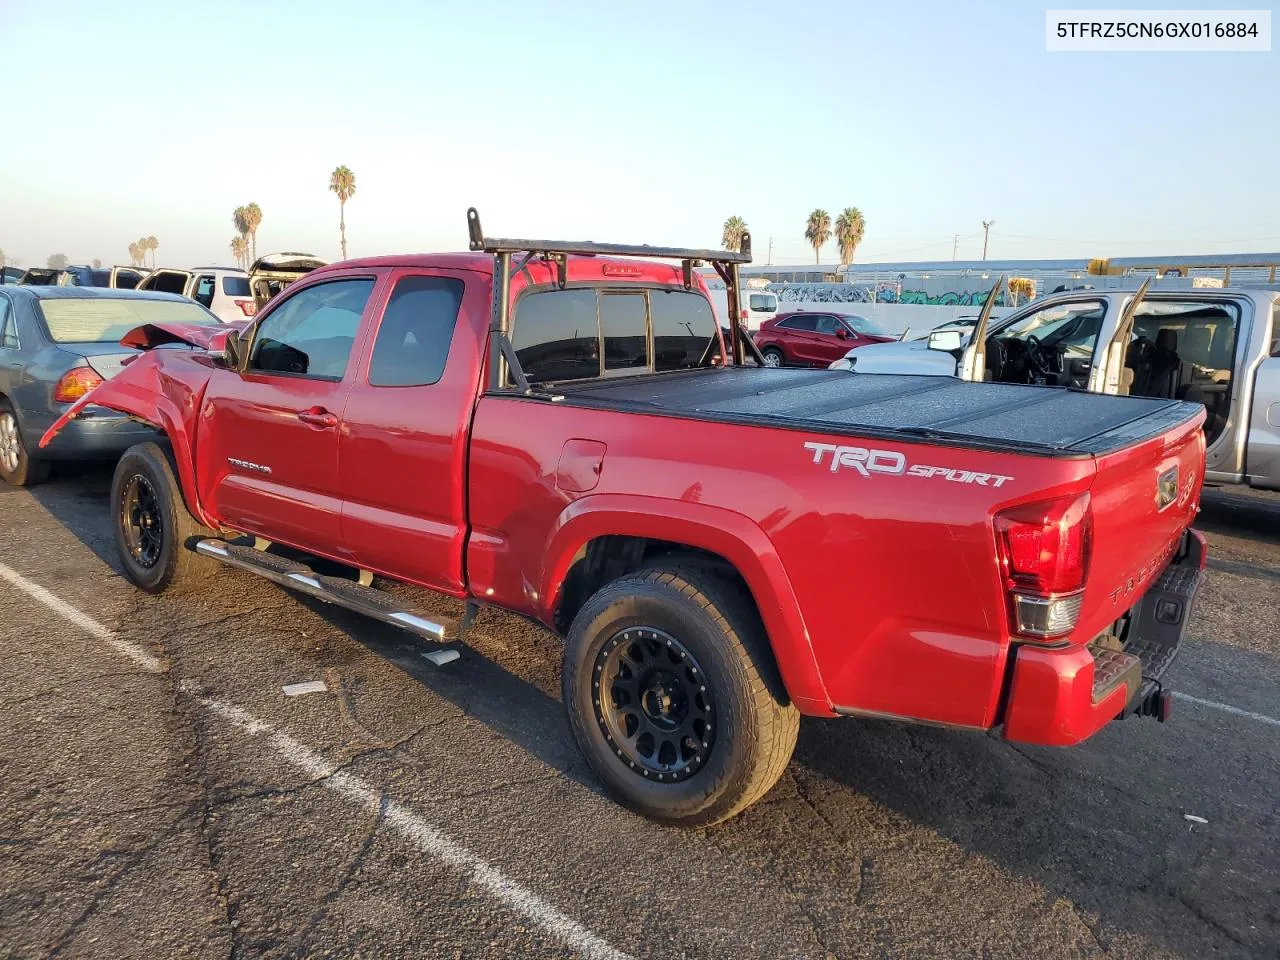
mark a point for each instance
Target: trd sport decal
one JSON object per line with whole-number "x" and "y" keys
{"x": 867, "y": 462}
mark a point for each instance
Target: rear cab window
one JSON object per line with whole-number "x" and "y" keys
{"x": 583, "y": 332}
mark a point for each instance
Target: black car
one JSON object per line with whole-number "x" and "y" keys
{"x": 56, "y": 344}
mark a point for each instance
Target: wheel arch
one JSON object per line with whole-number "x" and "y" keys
{"x": 600, "y": 538}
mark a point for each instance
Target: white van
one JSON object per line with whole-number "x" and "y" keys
{"x": 757, "y": 306}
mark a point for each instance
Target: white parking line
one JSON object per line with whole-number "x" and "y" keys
{"x": 426, "y": 837}
{"x": 90, "y": 626}
{"x": 1227, "y": 708}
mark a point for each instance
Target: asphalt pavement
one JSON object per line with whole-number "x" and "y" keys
{"x": 161, "y": 797}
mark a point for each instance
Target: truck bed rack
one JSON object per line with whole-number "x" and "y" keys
{"x": 557, "y": 252}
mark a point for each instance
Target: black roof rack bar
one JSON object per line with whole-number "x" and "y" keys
{"x": 589, "y": 248}
{"x": 503, "y": 362}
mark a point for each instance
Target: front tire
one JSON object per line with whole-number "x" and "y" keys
{"x": 773, "y": 357}
{"x": 152, "y": 524}
{"x": 674, "y": 697}
{"x": 16, "y": 466}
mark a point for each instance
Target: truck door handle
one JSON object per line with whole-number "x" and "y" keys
{"x": 318, "y": 417}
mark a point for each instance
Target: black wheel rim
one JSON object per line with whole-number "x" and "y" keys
{"x": 653, "y": 704}
{"x": 141, "y": 521}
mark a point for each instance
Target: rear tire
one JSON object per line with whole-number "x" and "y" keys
{"x": 16, "y": 466}
{"x": 773, "y": 357}
{"x": 152, "y": 525}
{"x": 685, "y": 651}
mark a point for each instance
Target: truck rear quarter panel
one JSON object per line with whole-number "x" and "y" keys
{"x": 903, "y": 610}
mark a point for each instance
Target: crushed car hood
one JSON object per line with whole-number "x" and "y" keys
{"x": 205, "y": 336}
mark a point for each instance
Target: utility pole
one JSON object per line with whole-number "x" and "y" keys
{"x": 986, "y": 226}
{"x": 769, "y": 262}
{"x": 954, "y": 243}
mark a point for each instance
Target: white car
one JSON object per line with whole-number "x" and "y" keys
{"x": 223, "y": 290}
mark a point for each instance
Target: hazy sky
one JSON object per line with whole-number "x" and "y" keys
{"x": 638, "y": 122}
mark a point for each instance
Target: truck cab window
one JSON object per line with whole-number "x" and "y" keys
{"x": 1053, "y": 346}
{"x": 624, "y": 330}
{"x": 556, "y": 335}
{"x": 683, "y": 329}
{"x": 311, "y": 333}
{"x": 415, "y": 333}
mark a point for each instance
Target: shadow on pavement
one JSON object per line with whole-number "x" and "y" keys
{"x": 1100, "y": 824}
{"x": 1247, "y": 514}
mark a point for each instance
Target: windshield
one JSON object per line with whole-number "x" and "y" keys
{"x": 106, "y": 320}
{"x": 863, "y": 325}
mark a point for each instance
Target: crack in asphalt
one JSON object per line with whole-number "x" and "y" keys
{"x": 195, "y": 763}
{"x": 107, "y": 884}
{"x": 1199, "y": 914}
{"x": 61, "y": 686}
{"x": 353, "y": 865}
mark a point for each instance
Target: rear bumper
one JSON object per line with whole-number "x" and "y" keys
{"x": 97, "y": 434}
{"x": 1061, "y": 697}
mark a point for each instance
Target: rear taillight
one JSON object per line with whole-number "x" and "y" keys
{"x": 75, "y": 383}
{"x": 247, "y": 307}
{"x": 1044, "y": 556}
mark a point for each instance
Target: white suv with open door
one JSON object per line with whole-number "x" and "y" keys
{"x": 222, "y": 290}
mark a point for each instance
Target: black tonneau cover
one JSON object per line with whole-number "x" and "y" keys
{"x": 992, "y": 416}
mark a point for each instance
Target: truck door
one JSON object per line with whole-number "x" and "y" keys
{"x": 1262, "y": 456}
{"x": 125, "y": 278}
{"x": 403, "y": 451}
{"x": 166, "y": 280}
{"x": 267, "y": 446}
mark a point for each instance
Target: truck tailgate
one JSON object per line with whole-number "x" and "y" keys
{"x": 1143, "y": 497}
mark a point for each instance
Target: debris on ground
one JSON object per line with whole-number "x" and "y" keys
{"x": 308, "y": 686}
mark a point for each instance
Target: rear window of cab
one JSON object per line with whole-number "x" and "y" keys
{"x": 586, "y": 332}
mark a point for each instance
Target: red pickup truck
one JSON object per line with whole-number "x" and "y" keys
{"x": 559, "y": 429}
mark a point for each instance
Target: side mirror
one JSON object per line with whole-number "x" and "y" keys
{"x": 233, "y": 350}
{"x": 947, "y": 341}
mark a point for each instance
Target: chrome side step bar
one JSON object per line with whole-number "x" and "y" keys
{"x": 367, "y": 600}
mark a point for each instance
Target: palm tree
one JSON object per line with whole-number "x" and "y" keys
{"x": 57, "y": 261}
{"x": 343, "y": 182}
{"x": 734, "y": 230}
{"x": 817, "y": 230}
{"x": 850, "y": 226}
{"x": 97, "y": 264}
{"x": 253, "y": 220}
{"x": 133, "y": 255}
{"x": 240, "y": 250}
{"x": 151, "y": 243}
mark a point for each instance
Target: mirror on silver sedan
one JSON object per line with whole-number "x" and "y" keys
{"x": 946, "y": 340}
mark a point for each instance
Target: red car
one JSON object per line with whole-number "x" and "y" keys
{"x": 813, "y": 339}
{"x": 569, "y": 440}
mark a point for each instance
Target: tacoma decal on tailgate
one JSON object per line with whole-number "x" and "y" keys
{"x": 866, "y": 462}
